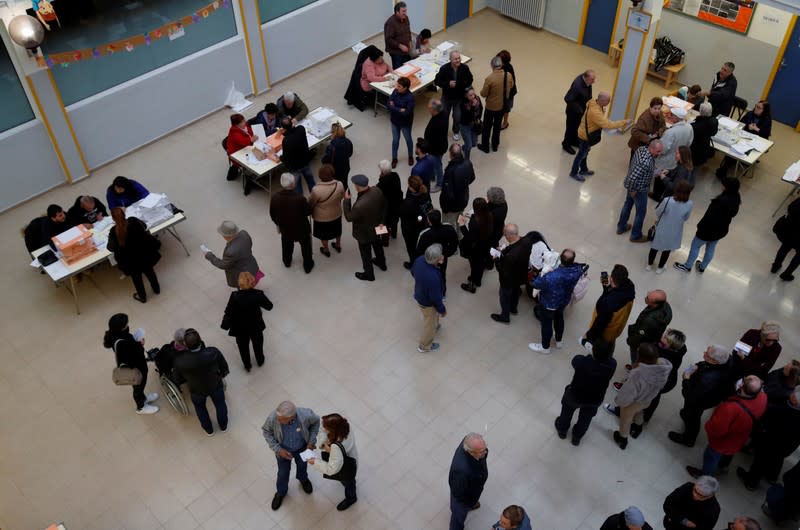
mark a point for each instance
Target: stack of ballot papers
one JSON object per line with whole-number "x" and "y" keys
{"x": 793, "y": 173}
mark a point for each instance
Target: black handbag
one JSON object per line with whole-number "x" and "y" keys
{"x": 651, "y": 234}
{"x": 349, "y": 467}
{"x": 592, "y": 137}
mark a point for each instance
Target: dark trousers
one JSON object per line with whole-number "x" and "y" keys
{"x": 350, "y": 490}
{"x": 509, "y": 300}
{"x": 691, "y": 416}
{"x": 443, "y": 270}
{"x": 658, "y": 188}
{"x": 781, "y": 255}
{"x": 551, "y": 318}
{"x": 287, "y": 249}
{"x": 410, "y": 240}
{"x": 366, "y": 250}
{"x": 138, "y": 391}
{"x": 477, "y": 264}
{"x": 399, "y": 60}
{"x": 458, "y": 513}
{"x": 492, "y": 119}
{"x": 651, "y": 408}
{"x": 767, "y": 463}
{"x": 571, "y": 132}
{"x": 285, "y": 468}
{"x": 218, "y": 398}
{"x": 651, "y": 257}
{"x": 243, "y": 342}
{"x": 455, "y": 105}
{"x": 586, "y": 411}
{"x": 139, "y": 284}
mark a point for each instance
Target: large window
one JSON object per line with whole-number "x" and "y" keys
{"x": 272, "y": 9}
{"x": 14, "y": 106}
{"x": 95, "y": 23}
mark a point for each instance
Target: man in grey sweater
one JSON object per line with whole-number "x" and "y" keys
{"x": 648, "y": 377}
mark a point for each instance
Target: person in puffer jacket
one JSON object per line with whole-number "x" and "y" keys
{"x": 646, "y": 380}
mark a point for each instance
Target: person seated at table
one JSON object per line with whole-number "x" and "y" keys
{"x": 704, "y": 126}
{"x": 41, "y": 230}
{"x": 291, "y": 105}
{"x": 692, "y": 95}
{"x": 269, "y": 118}
{"x": 240, "y": 135}
{"x": 123, "y": 192}
{"x": 422, "y": 43}
{"x": 374, "y": 70}
{"x": 757, "y": 121}
{"x": 87, "y": 210}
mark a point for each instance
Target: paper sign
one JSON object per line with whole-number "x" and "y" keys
{"x": 381, "y": 229}
{"x": 307, "y": 455}
{"x": 358, "y": 47}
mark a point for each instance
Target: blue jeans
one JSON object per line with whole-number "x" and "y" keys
{"x": 396, "y": 130}
{"x": 304, "y": 172}
{"x": 640, "y": 201}
{"x": 285, "y": 468}
{"x": 438, "y": 170}
{"x": 470, "y": 138}
{"x": 694, "y": 251}
{"x": 458, "y": 514}
{"x": 712, "y": 460}
{"x": 455, "y": 105}
{"x": 218, "y": 398}
{"x": 580, "y": 159}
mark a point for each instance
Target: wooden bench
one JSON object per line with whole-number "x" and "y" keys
{"x": 668, "y": 74}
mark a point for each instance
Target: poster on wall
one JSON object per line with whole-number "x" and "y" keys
{"x": 769, "y": 24}
{"x": 730, "y": 14}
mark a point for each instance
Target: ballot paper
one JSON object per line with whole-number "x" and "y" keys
{"x": 138, "y": 335}
{"x": 792, "y": 173}
{"x": 312, "y": 140}
{"x": 65, "y": 237}
{"x": 151, "y": 200}
{"x": 743, "y": 348}
{"x": 258, "y": 130}
{"x": 494, "y": 253}
{"x": 358, "y": 47}
{"x": 445, "y": 46}
{"x": 307, "y": 455}
{"x": 727, "y": 123}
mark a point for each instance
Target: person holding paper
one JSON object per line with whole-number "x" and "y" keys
{"x": 268, "y": 118}
{"x": 237, "y": 257}
{"x": 422, "y": 44}
{"x": 129, "y": 352}
{"x": 296, "y": 155}
{"x": 289, "y": 211}
{"x": 135, "y": 250}
{"x": 339, "y": 456}
{"x": 288, "y": 431}
{"x": 87, "y": 210}
{"x": 290, "y": 105}
{"x": 374, "y": 70}
{"x": 512, "y": 271}
{"x": 389, "y": 184}
{"x": 765, "y": 350}
{"x": 366, "y": 214}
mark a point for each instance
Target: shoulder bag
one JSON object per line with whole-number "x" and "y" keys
{"x": 123, "y": 375}
{"x": 349, "y": 467}
{"x": 651, "y": 234}
{"x": 592, "y": 137}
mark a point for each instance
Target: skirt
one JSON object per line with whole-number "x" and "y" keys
{"x": 327, "y": 230}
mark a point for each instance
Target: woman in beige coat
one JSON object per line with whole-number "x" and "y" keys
{"x": 325, "y": 204}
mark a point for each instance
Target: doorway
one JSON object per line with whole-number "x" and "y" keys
{"x": 600, "y": 24}
{"x": 783, "y": 94}
{"x": 457, "y": 10}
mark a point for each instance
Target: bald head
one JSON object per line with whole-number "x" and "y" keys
{"x": 475, "y": 445}
{"x": 656, "y": 297}
{"x": 511, "y": 232}
{"x": 603, "y": 99}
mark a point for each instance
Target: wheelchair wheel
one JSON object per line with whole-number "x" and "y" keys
{"x": 174, "y": 395}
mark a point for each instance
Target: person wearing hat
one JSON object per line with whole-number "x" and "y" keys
{"x": 693, "y": 505}
{"x": 631, "y": 519}
{"x": 130, "y": 353}
{"x": 289, "y": 211}
{"x": 237, "y": 256}
{"x": 366, "y": 214}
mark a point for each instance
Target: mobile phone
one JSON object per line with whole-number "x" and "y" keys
{"x": 604, "y": 276}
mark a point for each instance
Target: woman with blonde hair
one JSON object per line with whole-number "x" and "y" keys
{"x": 338, "y": 153}
{"x": 135, "y": 250}
{"x": 339, "y": 456}
{"x": 243, "y": 319}
{"x": 325, "y": 204}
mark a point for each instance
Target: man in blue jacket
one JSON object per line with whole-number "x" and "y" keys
{"x": 468, "y": 474}
{"x": 425, "y": 166}
{"x": 429, "y": 294}
{"x": 555, "y": 294}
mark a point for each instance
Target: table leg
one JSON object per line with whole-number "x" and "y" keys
{"x": 74, "y": 290}
{"x": 375, "y": 107}
{"x": 668, "y": 80}
{"x": 173, "y": 231}
{"x": 785, "y": 199}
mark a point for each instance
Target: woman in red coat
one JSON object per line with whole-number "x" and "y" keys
{"x": 240, "y": 134}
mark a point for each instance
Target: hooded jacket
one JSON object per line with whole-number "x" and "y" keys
{"x": 730, "y": 425}
{"x": 644, "y": 383}
{"x": 611, "y": 312}
{"x": 650, "y": 324}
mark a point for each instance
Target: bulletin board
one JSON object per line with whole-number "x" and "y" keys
{"x": 734, "y": 15}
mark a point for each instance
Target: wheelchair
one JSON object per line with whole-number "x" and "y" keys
{"x": 164, "y": 359}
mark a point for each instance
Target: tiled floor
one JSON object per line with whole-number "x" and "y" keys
{"x": 72, "y": 449}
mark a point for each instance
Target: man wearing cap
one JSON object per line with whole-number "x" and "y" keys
{"x": 631, "y": 519}
{"x": 289, "y": 211}
{"x": 366, "y": 214}
{"x": 237, "y": 256}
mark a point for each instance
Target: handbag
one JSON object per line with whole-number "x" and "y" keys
{"x": 651, "y": 234}
{"x": 593, "y": 137}
{"x": 123, "y": 375}
{"x": 779, "y": 228}
{"x": 349, "y": 467}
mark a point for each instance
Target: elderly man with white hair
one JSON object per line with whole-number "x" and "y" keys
{"x": 454, "y": 78}
{"x": 292, "y": 106}
{"x": 468, "y": 474}
{"x": 289, "y": 211}
{"x": 429, "y": 294}
{"x": 704, "y": 127}
{"x": 693, "y": 505}
{"x": 290, "y": 430}
{"x": 705, "y": 385}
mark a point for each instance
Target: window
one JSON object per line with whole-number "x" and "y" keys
{"x": 94, "y": 23}
{"x": 15, "y": 109}
{"x": 272, "y": 9}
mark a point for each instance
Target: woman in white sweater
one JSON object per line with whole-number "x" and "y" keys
{"x": 339, "y": 456}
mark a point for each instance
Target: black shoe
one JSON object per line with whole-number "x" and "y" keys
{"x": 576, "y": 441}
{"x": 775, "y": 267}
{"x": 568, "y": 149}
{"x": 786, "y": 277}
{"x": 260, "y": 362}
{"x": 514, "y": 312}
{"x": 694, "y": 471}
{"x": 248, "y": 368}
{"x": 277, "y": 500}
{"x": 345, "y": 504}
{"x": 561, "y": 434}
{"x": 407, "y": 265}
{"x": 287, "y": 264}
{"x": 744, "y": 476}
{"x": 495, "y": 147}
{"x": 679, "y": 439}
{"x": 381, "y": 266}
{"x": 620, "y": 440}
{"x": 636, "y": 430}
{"x": 469, "y": 287}
{"x": 484, "y": 148}
{"x": 363, "y": 276}
{"x": 307, "y": 487}
{"x": 500, "y": 318}
{"x": 308, "y": 267}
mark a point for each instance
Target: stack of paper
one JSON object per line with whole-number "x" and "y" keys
{"x": 358, "y": 47}
{"x": 445, "y": 46}
{"x": 793, "y": 173}
{"x": 727, "y": 123}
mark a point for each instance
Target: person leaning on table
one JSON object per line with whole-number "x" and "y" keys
{"x": 292, "y": 106}
{"x": 41, "y": 230}
{"x": 87, "y": 210}
{"x": 123, "y": 192}
{"x": 336, "y": 439}
{"x": 130, "y": 352}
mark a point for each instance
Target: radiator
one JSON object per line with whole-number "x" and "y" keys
{"x": 530, "y": 12}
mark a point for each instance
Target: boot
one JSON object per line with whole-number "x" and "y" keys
{"x": 469, "y": 287}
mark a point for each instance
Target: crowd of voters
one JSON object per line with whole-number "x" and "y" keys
{"x": 754, "y": 403}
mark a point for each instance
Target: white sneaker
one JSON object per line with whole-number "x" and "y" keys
{"x": 456, "y": 137}
{"x": 535, "y": 346}
{"x": 660, "y": 270}
{"x": 648, "y": 268}
{"x": 147, "y": 409}
{"x": 151, "y": 397}
{"x": 434, "y": 189}
{"x": 559, "y": 344}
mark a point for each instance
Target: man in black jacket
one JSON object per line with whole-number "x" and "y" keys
{"x": 458, "y": 175}
{"x": 468, "y": 474}
{"x": 203, "y": 369}
{"x": 723, "y": 90}
{"x": 86, "y": 210}
{"x": 296, "y": 155}
{"x": 632, "y": 517}
{"x": 512, "y": 269}
{"x": 289, "y": 212}
{"x": 41, "y": 230}
{"x": 579, "y": 93}
{"x": 704, "y": 386}
{"x": 442, "y": 233}
{"x": 436, "y": 136}
{"x": 694, "y": 503}
{"x": 454, "y": 78}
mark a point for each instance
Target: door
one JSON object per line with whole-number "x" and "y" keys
{"x": 783, "y": 94}
{"x": 457, "y": 10}
{"x": 600, "y": 24}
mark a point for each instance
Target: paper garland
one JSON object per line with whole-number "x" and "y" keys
{"x": 64, "y": 59}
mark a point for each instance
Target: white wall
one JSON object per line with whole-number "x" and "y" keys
{"x": 563, "y": 17}
{"x": 477, "y": 5}
{"x": 322, "y": 29}
{"x": 425, "y": 14}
